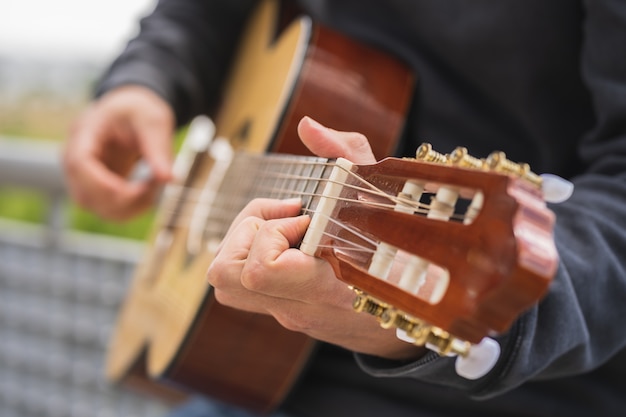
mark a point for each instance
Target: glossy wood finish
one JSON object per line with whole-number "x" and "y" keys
{"x": 500, "y": 264}
{"x": 189, "y": 340}
{"x": 351, "y": 87}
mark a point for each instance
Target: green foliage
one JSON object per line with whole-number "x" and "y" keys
{"x": 33, "y": 207}
{"x": 137, "y": 228}
{"x": 21, "y": 204}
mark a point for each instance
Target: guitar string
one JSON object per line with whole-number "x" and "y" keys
{"x": 369, "y": 246}
{"x": 216, "y": 225}
{"x": 345, "y": 227}
{"x": 227, "y": 216}
{"x": 219, "y": 222}
{"x": 416, "y": 206}
{"x": 192, "y": 199}
{"x": 190, "y": 195}
{"x": 300, "y": 179}
{"x": 174, "y": 302}
{"x": 419, "y": 208}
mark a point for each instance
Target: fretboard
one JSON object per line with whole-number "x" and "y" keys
{"x": 249, "y": 176}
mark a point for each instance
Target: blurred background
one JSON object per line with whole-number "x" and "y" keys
{"x": 63, "y": 272}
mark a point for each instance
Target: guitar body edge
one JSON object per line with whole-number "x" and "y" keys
{"x": 241, "y": 358}
{"x": 254, "y": 366}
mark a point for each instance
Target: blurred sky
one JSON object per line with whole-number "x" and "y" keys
{"x": 69, "y": 28}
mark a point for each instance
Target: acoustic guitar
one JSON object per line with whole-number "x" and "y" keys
{"x": 448, "y": 249}
{"x": 169, "y": 328}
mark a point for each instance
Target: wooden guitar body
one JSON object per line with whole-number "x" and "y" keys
{"x": 448, "y": 249}
{"x": 170, "y": 328}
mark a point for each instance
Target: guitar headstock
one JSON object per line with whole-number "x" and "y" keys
{"x": 448, "y": 248}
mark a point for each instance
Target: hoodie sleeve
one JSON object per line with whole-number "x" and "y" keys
{"x": 578, "y": 326}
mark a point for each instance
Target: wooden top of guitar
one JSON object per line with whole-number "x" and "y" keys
{"x": 466, "y": 250}
{"x": 169, "y": 327}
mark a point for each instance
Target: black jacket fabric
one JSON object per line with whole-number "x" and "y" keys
{"x": 545, "y": 81}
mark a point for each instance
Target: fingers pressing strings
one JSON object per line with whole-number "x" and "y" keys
{"x": 219, "y": 213}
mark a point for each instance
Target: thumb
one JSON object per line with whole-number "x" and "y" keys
{"x": 156, "y": 146}
{"x": 154, "y": 132}
{"x": 155, "y": 142}
{"x": 330, "y": 143}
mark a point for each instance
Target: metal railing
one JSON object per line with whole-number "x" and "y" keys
{"x": 59, "y": 295}
{"x": 35, "y": 164}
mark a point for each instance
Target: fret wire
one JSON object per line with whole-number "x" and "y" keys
{"x": 241, "y": 199}
{"x": 278, "y": 177}
{"x": 305, "y": 177}
{"x": 224, "y": 221}
{"x": 290, "y": 180}
{"x": 285, "y": 173}
{"x": 262, "y": 173}
{"x": 227, "y": 204}
{"x": 272, "y": 172}
{"x": 193, "y": 191}
{"x": 371, "y": 189}
{"x": 264, "y": 191}
{"x": 225, "y": 215}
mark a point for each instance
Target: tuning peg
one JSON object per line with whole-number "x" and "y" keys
{"x": 472, "y": 361}
{"x": 479, "y": 360}
{"x": 498, "y": 162}
{"x": 556, "y": 189}
{"x": 462, "y": 158}
{"x": 425, "y": 152}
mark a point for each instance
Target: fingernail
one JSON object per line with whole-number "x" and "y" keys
{"x": 314, "y": 123}
{"x": 292, "y": 200}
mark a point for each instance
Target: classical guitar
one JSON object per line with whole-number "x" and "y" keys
{"x": 448, "y": 249}
{"x": 169, "y": 328}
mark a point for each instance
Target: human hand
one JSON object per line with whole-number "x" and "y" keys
{"x": 112, "y": 134}
{"x": 258, "y": 268}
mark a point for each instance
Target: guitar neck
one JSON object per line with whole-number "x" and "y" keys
{"x": 240, "y": 177}
{"x": 275, "y": 176}
{"x": 170, "y": 324}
